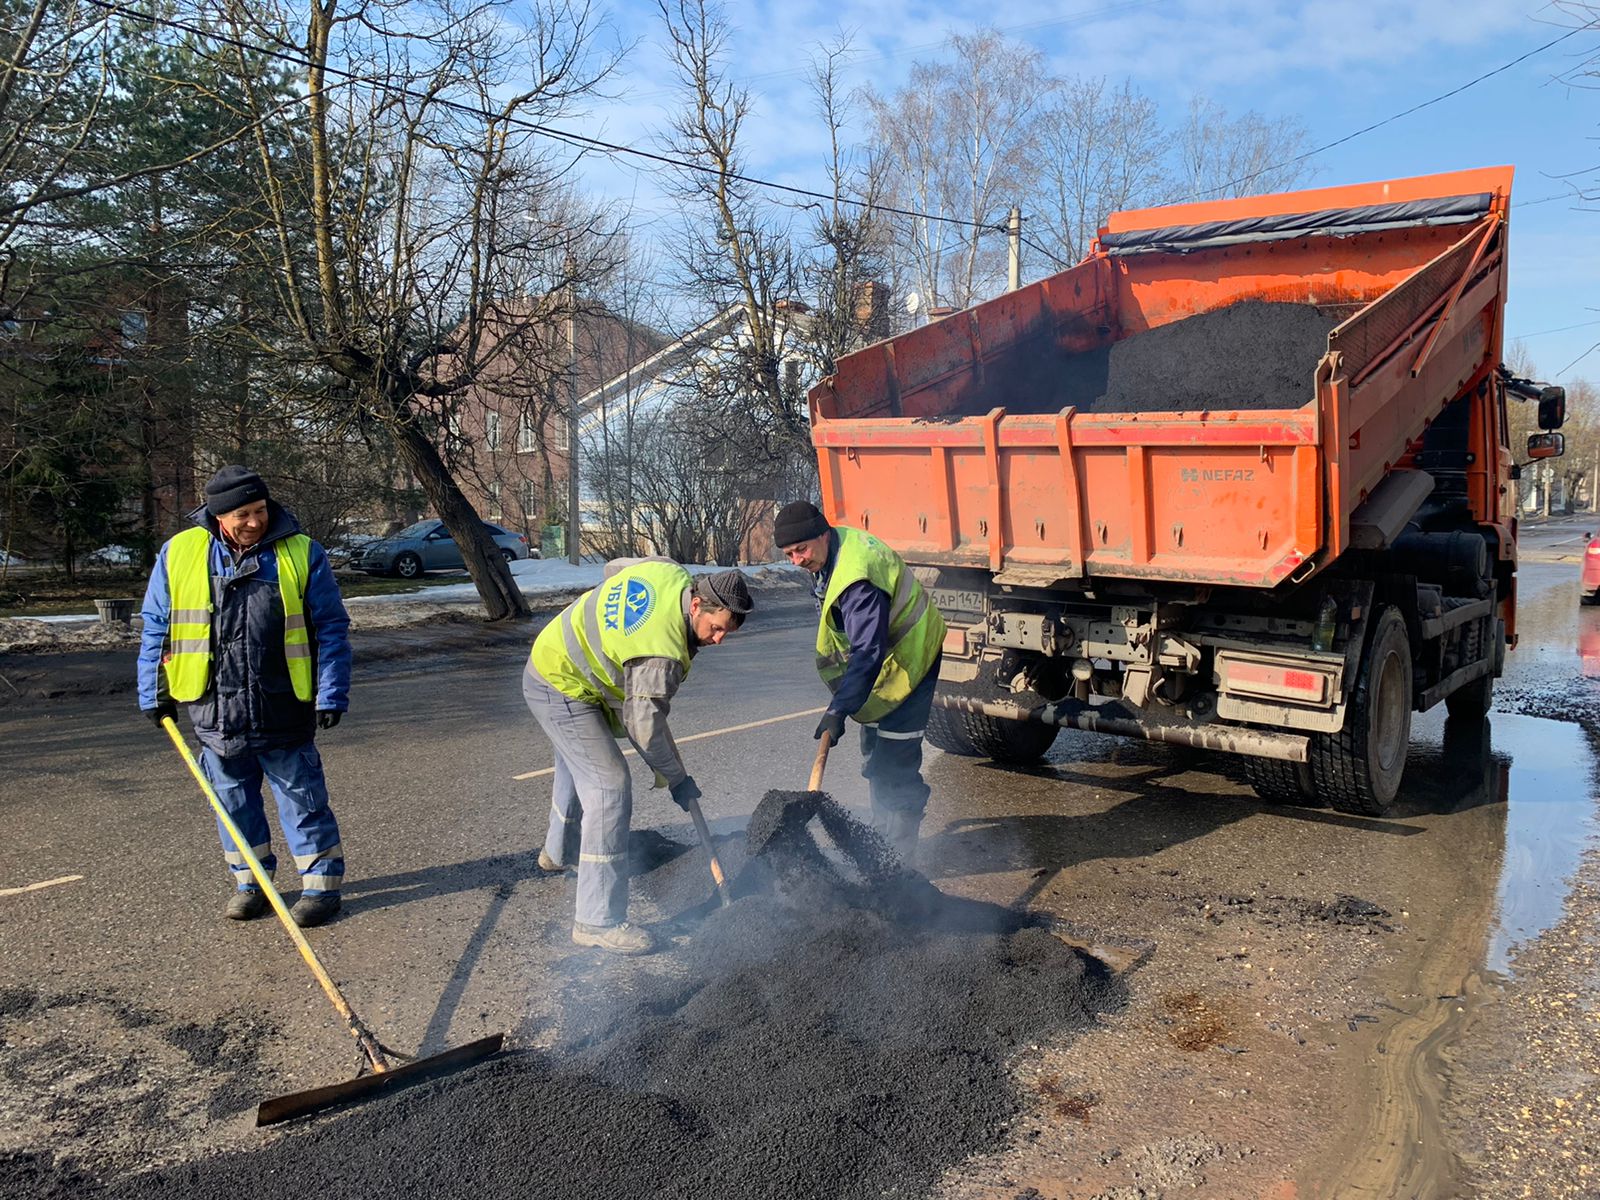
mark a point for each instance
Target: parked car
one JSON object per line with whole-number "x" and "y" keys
{"x": 1590, "y": 593}
{"x": 110, "y": 556}
{"x": 427, "y": 546}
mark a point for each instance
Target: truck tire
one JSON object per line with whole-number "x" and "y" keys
{"x": 1358, "y": 769}
{"x": 1280, "y": 782}
{"x": 1472, "y": 703}
{"x": 975, "y": 735}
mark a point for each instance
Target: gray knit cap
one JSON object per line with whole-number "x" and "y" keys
{"x": 725, "y": 589}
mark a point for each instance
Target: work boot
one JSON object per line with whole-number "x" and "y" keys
{"x": 246, "y": 904}
{"x": 618, "y": 939}
{"x": 549, "y": 865}
{"x": 314, "y": 909}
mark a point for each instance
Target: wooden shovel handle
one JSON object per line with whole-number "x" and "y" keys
{"x": 821, "y": 764}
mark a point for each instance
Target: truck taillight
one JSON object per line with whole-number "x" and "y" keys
{"x": 1594, "y": 548}
{"x": 1274, "y": 680}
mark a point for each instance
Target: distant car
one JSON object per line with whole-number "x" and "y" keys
{"x": 111, "y": 556}
{"x": 1590, "y": 593}
{"x": 428, "y": 546}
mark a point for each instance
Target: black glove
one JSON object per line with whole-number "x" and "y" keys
{"x": 161, "y": 712}
{"x": 684, "y": 791}
{"x": 832, "y": 723}
{"x": 327, "y": 718}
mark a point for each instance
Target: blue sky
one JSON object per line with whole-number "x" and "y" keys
{"x": 1335, "y": 68}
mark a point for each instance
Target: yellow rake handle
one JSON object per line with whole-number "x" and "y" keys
{"x": 364, "y": 1038}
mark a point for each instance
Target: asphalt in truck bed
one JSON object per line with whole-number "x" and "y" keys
{"x": 1248, "y": 356}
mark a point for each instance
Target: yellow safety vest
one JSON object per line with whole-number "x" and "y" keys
{"x": 637, "y": 613}
{"x": 189, "y": 632}
{"x": 916, "y": 630}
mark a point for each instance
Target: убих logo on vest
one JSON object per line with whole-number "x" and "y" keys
{"x": 632, "y": 609}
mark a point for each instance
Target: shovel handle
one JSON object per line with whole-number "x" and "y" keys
{"x": 363, "y": 1036}
{"x": 704, "y": 831}
{"x": 821, "y": 764}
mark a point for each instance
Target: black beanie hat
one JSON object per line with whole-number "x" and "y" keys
{"x": 726, "y": 589}
{"x": 233, "y": 487}
{"x": 798, "y": 522}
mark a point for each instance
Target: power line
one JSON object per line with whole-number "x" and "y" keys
{"x": 576, "y": 140}
{"x": 1563, "y": 329}
{"x": 1389, "y": 120}
{"x": 1579, "y": 359}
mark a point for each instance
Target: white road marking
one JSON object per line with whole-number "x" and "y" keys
{"x": 34, "y": 887}
{"x": 695, "y": 737}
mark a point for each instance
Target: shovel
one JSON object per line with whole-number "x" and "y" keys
{"x": 384, "y": 1077}
{"x": 704, "y": 831}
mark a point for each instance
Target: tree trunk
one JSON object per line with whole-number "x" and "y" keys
{"x": 502, "y": 599}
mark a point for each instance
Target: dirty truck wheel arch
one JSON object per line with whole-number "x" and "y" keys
{"x": 1359, "y": 768}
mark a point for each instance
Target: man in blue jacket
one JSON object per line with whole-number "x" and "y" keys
{"x": 244, "y": 623}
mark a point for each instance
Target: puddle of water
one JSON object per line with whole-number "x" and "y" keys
{"x": 1545, "y": 776}
{"x": 1550, "y": 822}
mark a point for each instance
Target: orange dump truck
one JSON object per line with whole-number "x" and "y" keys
{"x": 1241, "y": 480}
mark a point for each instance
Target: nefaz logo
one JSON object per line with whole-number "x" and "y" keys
{"x": 1228, "y": 475}
{"x": 628, "y": 604}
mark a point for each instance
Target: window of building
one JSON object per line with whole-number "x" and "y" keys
{"x": 530, "y": 499}
{"x": 135, "y": 327}
{"x": 496, "y": 512}
{"x": 527, "y": 442}
{"x": 562, "y": 440}
{"x": 491, "y": 430}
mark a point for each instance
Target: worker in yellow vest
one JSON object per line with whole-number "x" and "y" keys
{"x": 607, "y": 667}
{"x": 243, "y": 623}
{"x": 878, "y": 643}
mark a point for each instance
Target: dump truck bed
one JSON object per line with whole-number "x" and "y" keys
{"x": 1007, "y": 437}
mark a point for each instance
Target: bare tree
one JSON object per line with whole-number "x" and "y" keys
{"x": 848, "y": 276}
{"x": 432, "y": 207}
{"x": 1584, "y": 181}
{"x": 1100, "y": 150}
{"x": 1218, "y": 155}
{"x": 732, "y": 252}
{"x": 960, "y": 140}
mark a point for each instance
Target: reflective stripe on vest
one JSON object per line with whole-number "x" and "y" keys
{"x": 916, "y": 630}
{"x": 637, "y": 613}
{"x": 189, "y": 630}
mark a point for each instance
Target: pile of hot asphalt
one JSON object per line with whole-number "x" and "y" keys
{"x": 841, "y": 1029}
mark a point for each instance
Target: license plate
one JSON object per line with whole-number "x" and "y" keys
{"x": 957, "y": 600}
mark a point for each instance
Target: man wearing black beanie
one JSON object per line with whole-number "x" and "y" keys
{"x": 878, "y": 646}
{"x": 243, "y": 621}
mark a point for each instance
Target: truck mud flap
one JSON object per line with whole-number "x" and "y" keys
{"x": 1072, "y": 714}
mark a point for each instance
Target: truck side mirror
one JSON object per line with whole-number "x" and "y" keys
{"x": 1552, "y": 407}
{"x": 1546, "y": 445}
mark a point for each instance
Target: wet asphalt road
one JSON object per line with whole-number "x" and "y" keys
{"x": 1308, "y": 987}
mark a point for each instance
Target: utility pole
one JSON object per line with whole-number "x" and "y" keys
{"x": 1014, "y": 238}
{"x": 574, "y": 524}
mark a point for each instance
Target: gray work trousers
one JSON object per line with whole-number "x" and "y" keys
{"x": 591, "y": 785}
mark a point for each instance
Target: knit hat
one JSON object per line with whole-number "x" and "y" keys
{"x": 798, "y": 522}
{"x": 726, "y": 589}
{"x": 233, "y": 487}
